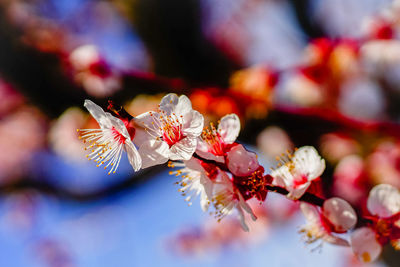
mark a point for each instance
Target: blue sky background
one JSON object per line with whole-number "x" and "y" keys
{"x": 132, "y": 229}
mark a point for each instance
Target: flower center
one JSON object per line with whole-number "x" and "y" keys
{"x": 299, "y": 180}
{"x": 172, "y": 134}
{"x": 170, "y": 126}
{"x": 311, "y": 233}
{"x": 210, "y": 169}
{"x": 254, "y": 185}
{"x": 211, "y": 136}
{"x": 223, "y": 201}
{"x": 118, "y": 137}
{"x": 105, "y": 146}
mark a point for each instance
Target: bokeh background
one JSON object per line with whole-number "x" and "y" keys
{"x": 298, "y": 72}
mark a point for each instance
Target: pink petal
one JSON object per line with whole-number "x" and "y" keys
{"x": 202, "y": 150}
{"x": 242, "y": 162}
{"x": 365, "y": 245}
{"x": 340, "y": 214}
{"x": 310, "y": 212}
{"x": 298, "y": 191}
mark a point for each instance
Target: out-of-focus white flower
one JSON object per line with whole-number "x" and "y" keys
{"x": 107, "y": 143}
{"x": 335, "y": 216}
{"x": 62, "y": 135}
{"x": 21, "y": 134}
{"x": 335, "y": 146}
{"x": 380, "y": 52}
{"x": 384, "y": 201}
{"x": 361, "y": 98}
{"x": 95, "y": 75}
{"x": 365, "y": 245}
{"x": 298, "y": 171}
{"x": 274, "y": 141}
{"x": 384, "y": 204}
{"x": 382, "y": 163}
{"x": 226, "y": 198}
{"x": 348, "y": 179}
{"x": 83, "y": 56}
{"x": 170, "y": 133}
{"x": 214, "y": 142}
{"x": 197, "y": 179}
{"x": 302, "y": 91}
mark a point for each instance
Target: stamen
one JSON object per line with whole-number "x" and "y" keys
{"x": 105, "y": 145}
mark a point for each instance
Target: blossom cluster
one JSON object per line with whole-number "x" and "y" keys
{"x": 211, "y": 164}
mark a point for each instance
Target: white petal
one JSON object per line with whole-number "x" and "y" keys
{"x": 310, "y": 212}
{"x": 224, "y": 180}
{"x": 202, "y": 151}
{"x": 229, "y": 128}
{"x": 242, "y": 162}
{"x": 208, "y": 185}
{"x": 339, "y": 213}
{"x": 335, "y": 240}
{"x": 153, "y": 152}
{"x": 278, "y": 181}
{"x": 308, "y": 162}
{"x": 194, "y": 164}
{"x": 204, "y": 202}
{"x": 184, "y": 149}
{"x": 384, "y": 200}
{"x": 298, "y": 192}
{"x": 246, "y": 207}
{"x": 282, "y": 176}
{"x": 133, "y": 155}
{"x": 172, "y": 104}
{"x": 118, "y": 125}
{"x": 141, "y": 136}
{"x": 193, "y": 124}
{"x": 98, "y": 114}
{"x": 184, "y": 106}
{"x": 242, "y": 219}
{"x": 365, "y": 245}
{"x": 148, "y": 120}
{"x": 168, "y": 103}
{"x": 207, "y": 192}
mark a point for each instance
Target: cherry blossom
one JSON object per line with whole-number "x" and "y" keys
{"x": 214, "y": 143}
{"x": 226, "y": 198}
{"x": 335, "y": 216}
{"x": 170, "y": 133}
{"x": 197, "y": 179}
{"x": 384, "y": 225}
{"x": 107, "y": 143}
{"x": 298, "y": 171}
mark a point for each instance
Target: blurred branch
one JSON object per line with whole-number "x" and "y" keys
{"x": 172, "y": 32}
{"x": 310, "y": 28}
{"x": 40, "y": 76}
{"x": 51, "y": 189}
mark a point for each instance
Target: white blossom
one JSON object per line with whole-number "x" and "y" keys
{"x": 170, "y": 133}
{"x": 298, "y": 171}
{"x": 106, "y": 144}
